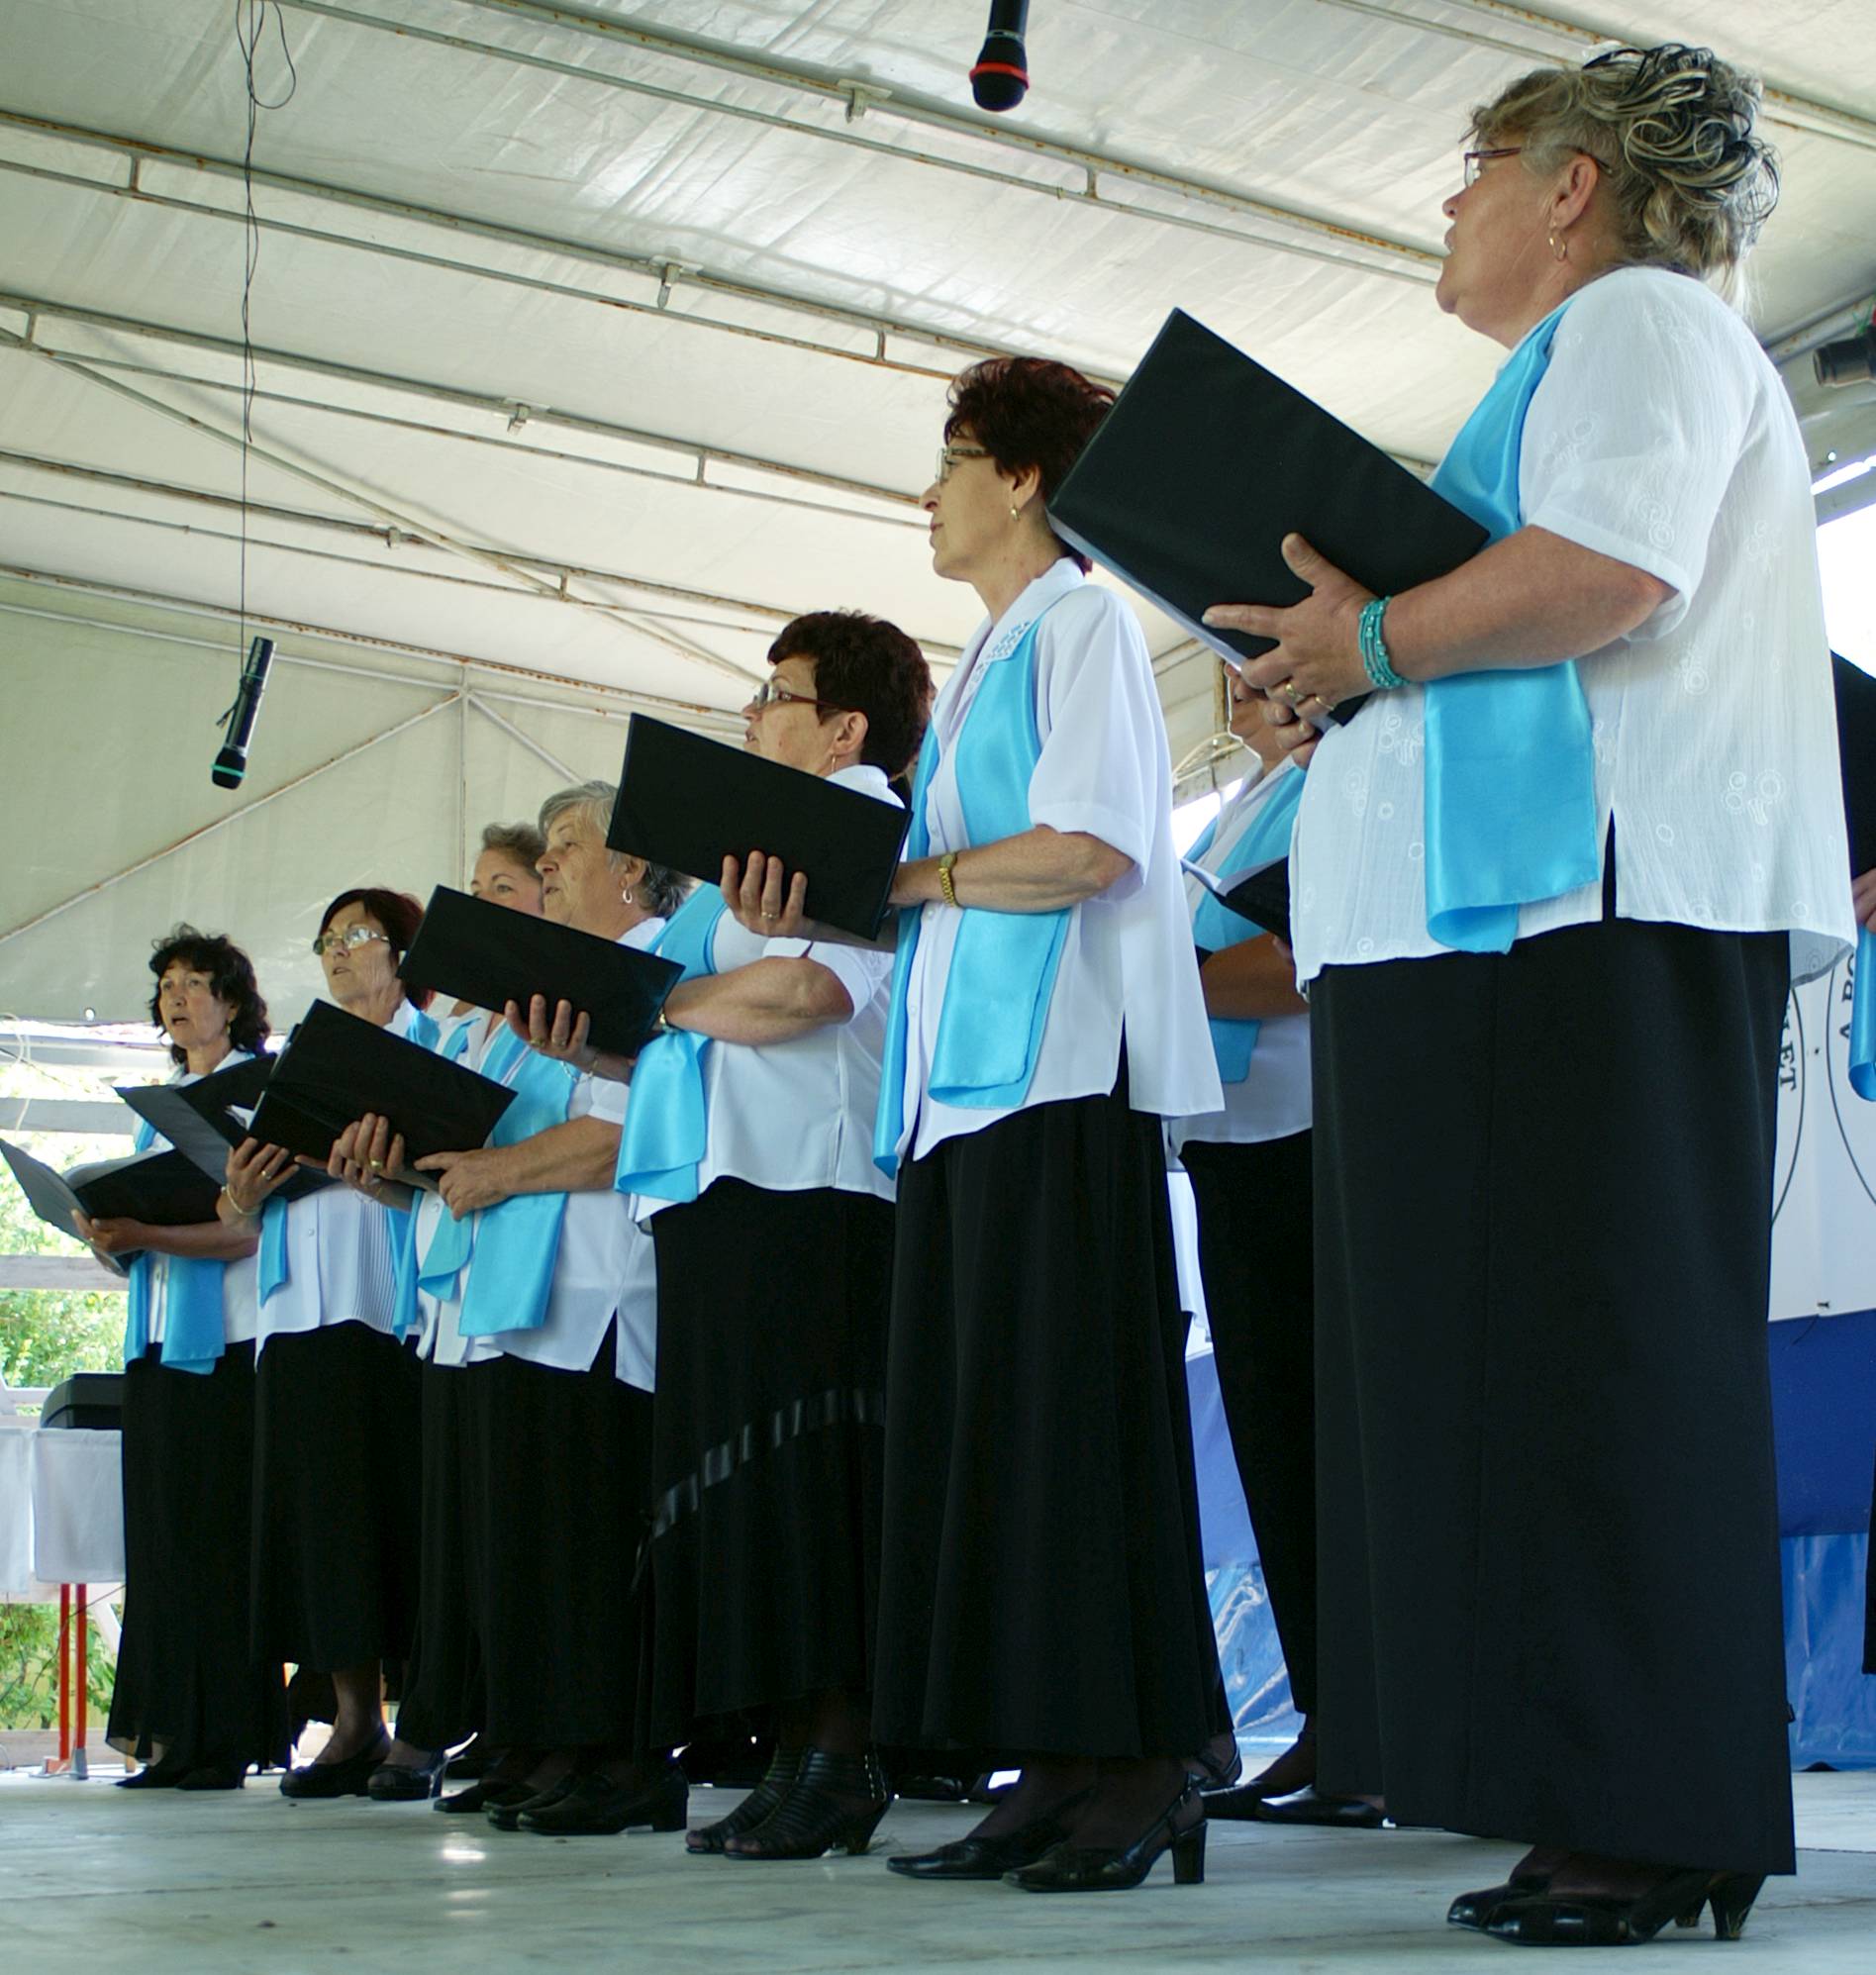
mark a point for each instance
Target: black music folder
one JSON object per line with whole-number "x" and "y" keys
{"x": 1208, "y": 460}
{"x": 1857, "y": 747}
{"x": 163, "y": 1189}
{"x": 489, "y": 956}
{"x": 689, "y": 803}
{"x": 1262, "y": 896}
{"x": 205, "y": 1120}
{"x": 337, "y": 1067}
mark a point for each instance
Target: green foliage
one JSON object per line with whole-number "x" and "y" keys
{"x": 47, "y": 1334}
{"x": 28, "y": 1671}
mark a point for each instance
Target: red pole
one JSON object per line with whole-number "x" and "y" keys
{"x": 81, "y": 1657}
{"x": 64, "y": 1689}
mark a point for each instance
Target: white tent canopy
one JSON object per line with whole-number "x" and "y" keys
{"x": 591, "y": 344}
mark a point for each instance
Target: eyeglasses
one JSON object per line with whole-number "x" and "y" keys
{"x": 949, "y": 455}
{"x": 1476, "y": 161}
{"x": 353, "y": 936}
{"x": 769, "y": 694}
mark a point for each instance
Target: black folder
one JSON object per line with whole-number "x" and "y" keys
{"x": 1208, "y": 460}
{"x": 689, "y": 803}
{"x": 163, "y": 1189}
{"x": 205, "y": 1120}
{"x": 490, "y": 956}
{"x": 337, "y": 1067}
{"x": 1856, "y": 745}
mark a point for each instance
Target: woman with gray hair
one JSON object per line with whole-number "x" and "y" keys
{"x": 537, "y": 1267}
{"x": 1550, "y": 886}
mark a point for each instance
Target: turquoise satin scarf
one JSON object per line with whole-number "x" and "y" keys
{"x": 275, "y": 1268}
{"x": 1003, "y": 964}
{"x": 668, "y": 1125}
{"x": 1863, "y": 1018}
{"x": 1511, "y": 774}
{"x": 193, "y": 1335}
{"x": 407, "y": 1271}
{"x": 1216, "y": 927}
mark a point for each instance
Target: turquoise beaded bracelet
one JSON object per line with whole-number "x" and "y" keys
{"x": 1374, "y": 652}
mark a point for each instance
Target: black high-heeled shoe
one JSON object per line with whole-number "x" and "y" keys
{"x": 819, "y": 1810}
{"x": 1079, "y": 1868}
{"x": 347, "y": 1777}
{"x": 975, "y": 1857}
{"x": 408, "y": 1782}
{"x": 1594, "y": 1920}
{"x": 1475, "y": 1909}
{"x": 784, "y": 1765}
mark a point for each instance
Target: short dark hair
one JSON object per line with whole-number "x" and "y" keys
{"x": 867, "y": 666}
{"x": 1028, "y": 411}
{"x": 398, "y": 913}
{"x": 231, "y": 981}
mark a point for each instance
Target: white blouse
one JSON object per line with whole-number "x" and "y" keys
{"x": 341, "y": 1267}
{"x": 605, "y": 1266}
{"x": 1273, "y": 1101}
{"x": 1128, "y": 957}
{"x": 794, "y": 1116}
{"x": 237, "y": 1278}
{"x": 1660, "y": 435}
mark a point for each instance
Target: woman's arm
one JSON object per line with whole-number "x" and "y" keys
{"x": 575, "y": 1158}
{"x": 1037, "y": 871}
{"x": 214, "y": 1241}
{"x": 1252, "y": 980}
{"x": 767, "y": 1001}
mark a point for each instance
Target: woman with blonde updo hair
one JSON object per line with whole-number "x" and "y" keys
{"x": 1550, "y": 887}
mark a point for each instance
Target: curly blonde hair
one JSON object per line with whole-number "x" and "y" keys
{"x": 1689, "y": 184}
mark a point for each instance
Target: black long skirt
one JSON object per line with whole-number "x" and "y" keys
{"x": 1042, "y": 1590}
{"x": 1549, "y": 1606}
{"x": 442, "y": 1682}
{"x": 772, "y": 1311}
{"x": 188, "y": 1684}
{"x": 1256, "y": 1253}
{"x": 560, "y": 1467}
{"x": 338, "y": 1479}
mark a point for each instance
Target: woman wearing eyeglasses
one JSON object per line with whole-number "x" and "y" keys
{"x": 1550, "y": 886}
{"x": 337, "y": 1430}
{"x": 191, "y": 1699}
{"x": 1042, "y": 1592}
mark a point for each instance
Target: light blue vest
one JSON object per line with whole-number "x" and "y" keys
{"x": 1003, "y": 965}
{"x": 667, "y": 1123}
{"x": 1863, "y": 1018}
{"x": 1511, "y": 774}
{"x": 275, "y": 1267}
{"x": 1216, "y": 927}
{"x": 193, "y": 1335}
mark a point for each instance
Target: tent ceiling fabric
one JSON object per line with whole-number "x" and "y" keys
{"x": 595, "y": 341}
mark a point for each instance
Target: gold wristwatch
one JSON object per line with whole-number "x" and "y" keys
{"x": 947, "y": 890}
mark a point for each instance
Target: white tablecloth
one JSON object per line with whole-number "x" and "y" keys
{"x": 61, "y": 1509}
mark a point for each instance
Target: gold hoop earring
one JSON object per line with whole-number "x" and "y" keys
{"x": 1559, "y": 249}
{"x": 1016, "y": 513}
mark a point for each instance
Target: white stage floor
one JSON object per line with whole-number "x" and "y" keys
{"x": 90, "y": 1875}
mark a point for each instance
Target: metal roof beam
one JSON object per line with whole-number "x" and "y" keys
{"x": 1344, "y": 247}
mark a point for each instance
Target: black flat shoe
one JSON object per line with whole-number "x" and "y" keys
{"x": 1309, "y": 1807}
{"x": 165, "y": 1775}
{"x": 408, "y": 1783}
{"x": 215, "y": 1776}
{"x": 345, "y": 1778}
{"x": 483, "y": 1792}
{"x": 506, "y": 1816}
{"x": 754, "y": 1809}
{"x": 835, "y": 1800}
{"x": 1592, "y": 1920}
{"x": 594, "y": 1805}
{"x": 991, "y": 1858}
{"x": 1080, "y": 1868}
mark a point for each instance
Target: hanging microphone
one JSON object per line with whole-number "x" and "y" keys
{"x": 1001, "y": 78}
{"x": 230, "y": 764}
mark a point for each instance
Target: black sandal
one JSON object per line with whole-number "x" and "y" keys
{"x": 755, "y": 1809}
{"x": 835, "y": 1800}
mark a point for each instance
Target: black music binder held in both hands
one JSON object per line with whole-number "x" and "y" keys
{"x": 688, "y": 802}
{"x": 206, "y": 1120}
{"x": 337, "y": 1067}
{"x": 1208, "y": 460}
{"x": 161, "y": 1189}
{"x": 489, "y": 956}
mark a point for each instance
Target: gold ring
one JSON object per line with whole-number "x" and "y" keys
{"x": 377, "y": 1166}
{"x": 1291, "y": 694}
{"x": 1320, "y": 702}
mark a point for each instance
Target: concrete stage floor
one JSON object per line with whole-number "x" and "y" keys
{"x": 92, "y": 1876}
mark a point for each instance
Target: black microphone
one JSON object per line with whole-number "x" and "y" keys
{"x": 230, "y": 764}
{"x": 1001, "y": 78}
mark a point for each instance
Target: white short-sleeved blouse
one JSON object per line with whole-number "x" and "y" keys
{"x": 1659, "y": 435}
{"x": 1128, "y": 959}
{"x": 238, "y": 1278}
